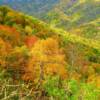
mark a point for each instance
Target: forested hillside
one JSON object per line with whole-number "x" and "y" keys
{"x": 73, "y": 13}
{"x": 39, "y": 61}
{"x": 62, "y": 13}
{"x": 81, "y": 17}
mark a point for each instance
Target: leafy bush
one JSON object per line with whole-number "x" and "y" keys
{"x": 70, "y": 90}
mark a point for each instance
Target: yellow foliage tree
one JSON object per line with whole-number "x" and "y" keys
{"x": 28, "y": 30}
{"x": 3, "y": 52}
{"x": 5, "y": 49}
{"x": 46, "y": 59}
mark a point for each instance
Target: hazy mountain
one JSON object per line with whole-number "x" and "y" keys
{"x": 32, "y": 7}
{"x": 61, "y": 13}
{"x": 74, "y": 12}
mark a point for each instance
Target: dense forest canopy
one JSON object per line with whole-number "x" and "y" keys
{"x": 55, "y": 57}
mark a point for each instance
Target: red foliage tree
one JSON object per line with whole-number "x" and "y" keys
{"x": 30, "y": 41}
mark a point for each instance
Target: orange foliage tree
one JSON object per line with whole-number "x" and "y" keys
{"x": 3, "y": 53}
{"x": 9, "y": 34}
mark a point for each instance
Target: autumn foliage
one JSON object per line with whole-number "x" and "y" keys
{"x": 31, "y": 52}
{"x": 46, "y": 59}
{"x": 30, "y": 41}
{"x": 10, "y": 34}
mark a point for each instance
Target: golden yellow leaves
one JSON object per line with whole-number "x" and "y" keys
{"x": 3, "y": 52}
{"x": 28, "y": 29}
{"x": 47, "y": 59}
{"x": 94, "y": 79}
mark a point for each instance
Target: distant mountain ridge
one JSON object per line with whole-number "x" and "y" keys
{"x": 61, "y": 13}
{"x": 32, "y": 7}
{"x": 73, "y": 13}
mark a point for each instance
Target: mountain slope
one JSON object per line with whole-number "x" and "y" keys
{"x": 32, "y": 7}
{"x": 68, "y": 13}
{"x": 76, "y": 11}
{"x": 71, "y": 37}
{"x": 51, "y": 29}
{"x": 39, "y": 61}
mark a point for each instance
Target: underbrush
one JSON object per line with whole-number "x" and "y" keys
{"x": 53, "y": 88}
